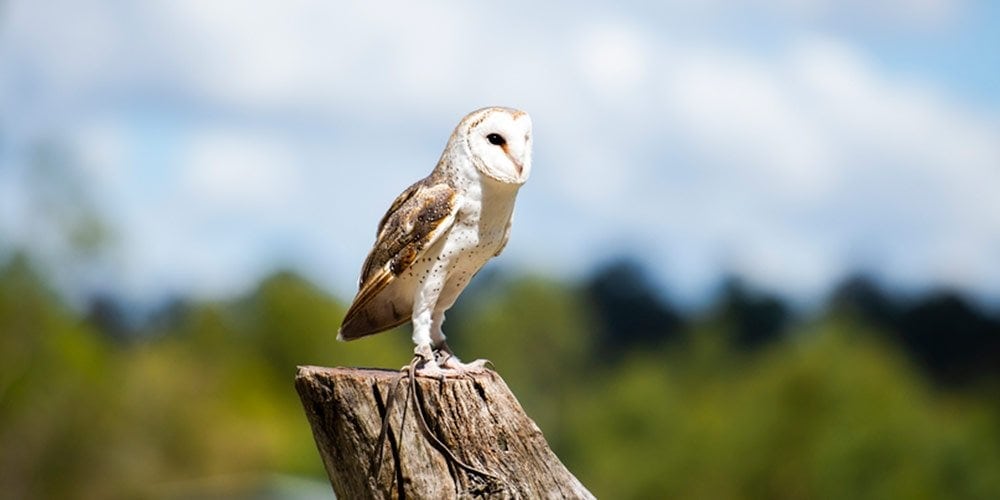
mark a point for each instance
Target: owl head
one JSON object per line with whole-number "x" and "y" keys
{"x": 498, "y": 141}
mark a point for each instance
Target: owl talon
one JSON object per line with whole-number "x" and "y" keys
{"x": 442, "y": 357}
{"x": 425, "y": 353}
{"x": 425, "y": 362}
{"x": 453, "y": 363}
{"x": 432, "y": 370}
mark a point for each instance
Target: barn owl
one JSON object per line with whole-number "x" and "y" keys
{"x": 440, "y": 231}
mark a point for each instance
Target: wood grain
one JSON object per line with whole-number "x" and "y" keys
{"x": 475, "y": 416}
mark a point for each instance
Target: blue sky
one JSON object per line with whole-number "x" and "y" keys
{"x": 790, "y": 142}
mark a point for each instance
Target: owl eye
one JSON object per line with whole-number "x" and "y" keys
{"x": 496, "y": 139}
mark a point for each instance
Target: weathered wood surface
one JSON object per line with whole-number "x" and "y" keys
{"x": 475, "y": 416}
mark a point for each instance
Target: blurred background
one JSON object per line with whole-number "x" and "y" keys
{"x": 759, "y": 256}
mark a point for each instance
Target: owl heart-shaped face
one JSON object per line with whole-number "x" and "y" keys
{"x": 499, "y": 141}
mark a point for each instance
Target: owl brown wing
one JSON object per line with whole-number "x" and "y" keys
{"x": 414, "y": 222}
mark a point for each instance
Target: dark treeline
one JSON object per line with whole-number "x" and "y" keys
{"x": 953, "y": 340}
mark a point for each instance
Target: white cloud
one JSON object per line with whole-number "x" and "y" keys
{"x": 232, "y": 171}
{"x": 62, "y": 51}
{"x": 311, "y": 54}
{"x": 820, "y": 145}
{"x": 910, "y": 14}
{"x": 613, "y": 58}
{"x": 260, "y": 56}
{"x": 747, "y": 118}
{"x": 103, "y": 148}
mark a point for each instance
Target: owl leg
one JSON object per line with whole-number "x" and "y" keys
{"x": 445, "y": 357}
{"x": 438, "y": 342}
{"x": 422, "y": 339}
{"x": 427, "y": 319}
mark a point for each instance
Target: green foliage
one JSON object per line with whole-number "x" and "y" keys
{"x": 830, "y": 415}
{"x": 536, "y": 334}
{"x": 828, "y": 412}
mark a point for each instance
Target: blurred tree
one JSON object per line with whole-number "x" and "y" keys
{"x": 753, "y": 317}
{"x": 289, "y": 321}
{"x": 861, "y": 297}
{"x": 629, "y": 309}
{"x": 832, "y": 415}
{"x": 954, "y": 341}
{"x": 52, "y": 391}
{"x": 539, "y": 335}
{"x": 107, "y": 313}
{"x": 208, "y": 401}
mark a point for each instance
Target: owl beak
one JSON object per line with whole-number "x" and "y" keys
{"x": 517, "y": 164}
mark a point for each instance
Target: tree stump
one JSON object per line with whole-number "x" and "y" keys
{"x": 475, "y": 416}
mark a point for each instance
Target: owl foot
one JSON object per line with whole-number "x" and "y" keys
{"x": 441, "y": 363}
{"x": 451, "y": 362}
{"x": 425, "y": 353}
{"x": 425, "y": 363}
{"x": 433, "y": 370}
{"x": 446, "y": 359}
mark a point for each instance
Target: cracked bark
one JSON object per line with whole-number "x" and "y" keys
{"x": 475, "y": 416}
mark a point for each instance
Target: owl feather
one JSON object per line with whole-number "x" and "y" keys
{"x": 414, "y": 222}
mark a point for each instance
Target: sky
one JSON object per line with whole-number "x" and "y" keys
{"x": 790, "y": 142}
